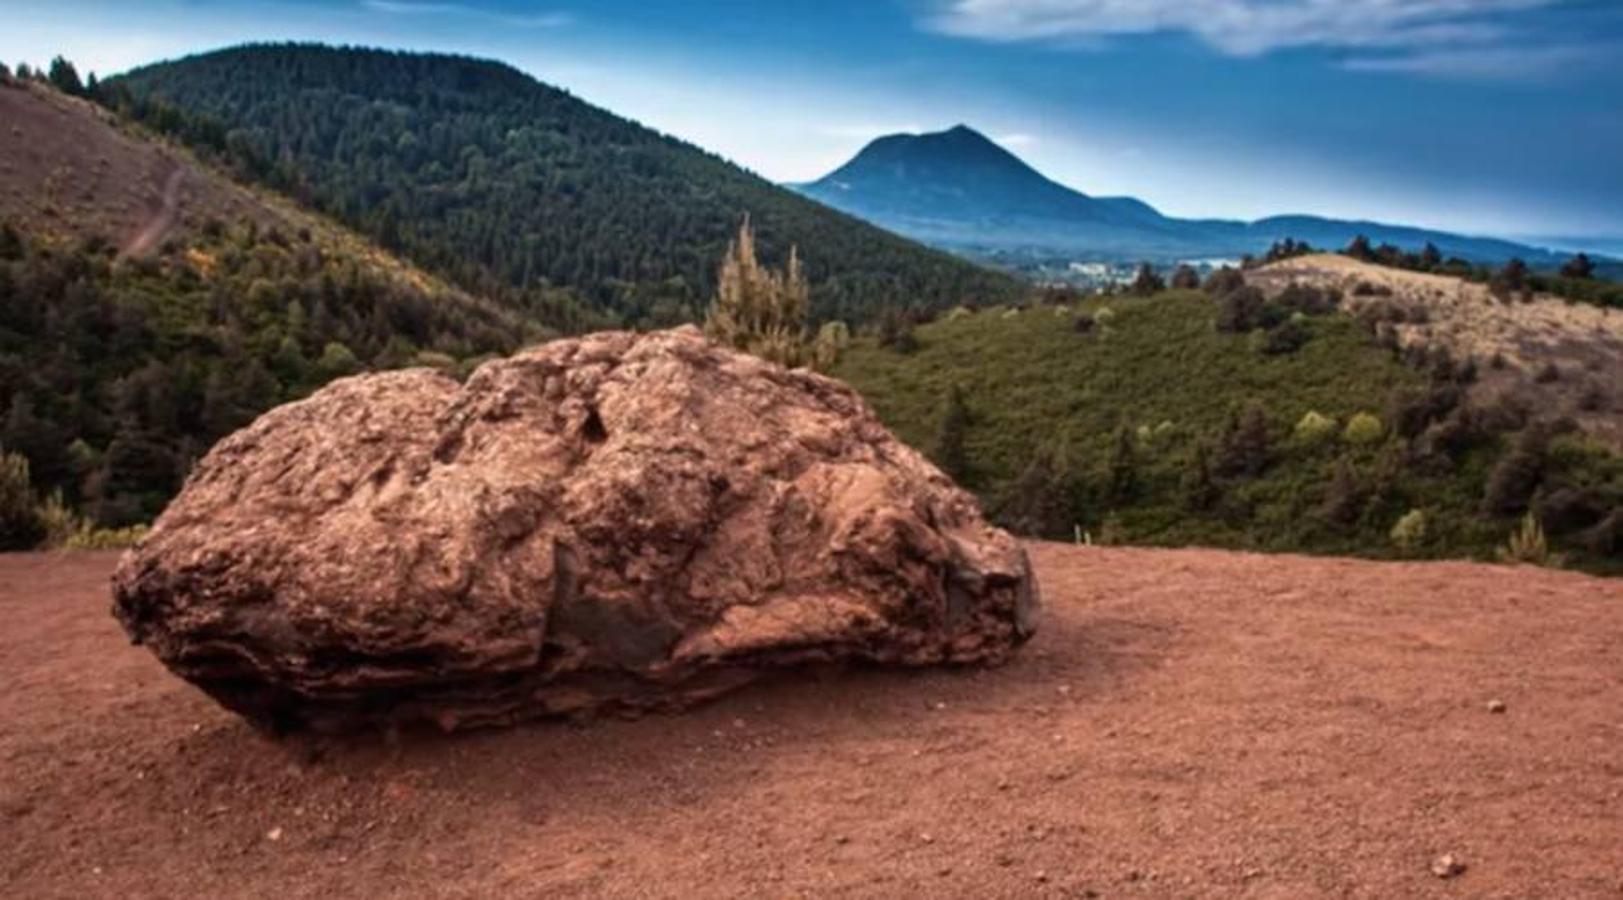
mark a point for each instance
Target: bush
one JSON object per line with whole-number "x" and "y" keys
{"x": 1286, "y": 337}
{"x": 1410, "y": 531}
{"x": 1308, "y": 300}
{"x": 1241, "y": 310}
{"x": 831, "y": 341}
{"x": 1363, "y": 430}
{"x": 759, "y": 310}
{"x": 1199, "y": 489}
{"x": 1185, "y": 278}
{"x": 1224, "y": 281}
{"x": 66, "y": 530}
{"x": 1518, "y": 473}
{"x": 1037, "y": 503}
{"x": 1246, "y": 447}
{"x": 20, "y": 525}
{"x": 950, "y": 453}
{"x": 1147, "y": 282}
{"x": 1344, "y": 497}
{"x": 1527, "y": 544}
{"x": 1313, "y": 429}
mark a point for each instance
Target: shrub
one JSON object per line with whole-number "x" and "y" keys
{"x": 831, "y": 341}
{"x": 1185, "y": 278}
{"x": 1037, "y": 503}
{"x": 1224, "y": 281}
{"x": 896, "y": 332}
{"x": 1197, "y": 486}
{"x": 758, "y": 310}
{"x": 1527, "y": 544}
{"x": 1580, "y": 266}
{"x": 1084, "y": 324}
{"x": 1246, "y": 447}
{"x": 337, "y": 360}
{"x": 1518, "y": 473}
{"x": 1567, "y": 509}
{"x": 1104, "y": 317}
{"x": 66, "y": 530}
{"x": 1548, "y": 373}
{"x": 950, "y": 453}
{"x": 1344, "y": 496}
{"x": 1147, "y": 281}
{"x": 1286, "y": 337}
{"x": 1241, "y": 310}
{"x": 1363, "y": 430}
{"x": 20, "y": 525}
{"x": 1606, "y": 538}
{"x": 1369, "y": 289}
{"x": 1307, "y": 299}
{"x": 1123, "y": 466}
{"x": 1412, "y": 411}
{"x": 1314, "y": 429}
{"x": 1410, "y": 531}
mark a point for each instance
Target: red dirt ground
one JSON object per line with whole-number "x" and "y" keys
{"x": 1187, "y": 723}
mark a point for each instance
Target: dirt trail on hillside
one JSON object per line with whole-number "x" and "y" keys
{"x": 162, "y": 220}
{"x": 1186, "y": 723}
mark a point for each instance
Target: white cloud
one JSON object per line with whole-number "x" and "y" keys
{"x": 1483, "y": 63}
{"x": 1238, "y": 27}
{"x": 1017, "y": 139}
{"x": 411, "y": 8}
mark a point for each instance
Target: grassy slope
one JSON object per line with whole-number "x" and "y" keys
{"x": 1030, "y": 380}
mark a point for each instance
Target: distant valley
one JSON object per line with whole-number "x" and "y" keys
{"x": 959, "y": 190}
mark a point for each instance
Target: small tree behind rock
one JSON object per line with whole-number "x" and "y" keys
{"x": 950, "y": 451}
{"x": 758, "y": 310}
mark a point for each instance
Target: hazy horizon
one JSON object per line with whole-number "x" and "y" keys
{"x": 1462, "y": 115}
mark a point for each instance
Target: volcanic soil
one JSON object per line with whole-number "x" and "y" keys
{"x": 1186, "y": 723}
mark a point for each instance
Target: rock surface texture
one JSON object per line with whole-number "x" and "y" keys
{"x": 617, "y": 521}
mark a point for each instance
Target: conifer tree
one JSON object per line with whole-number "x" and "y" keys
{"x": 1200, "y": 490}
{"x": 65, "y": 78}
{"x": 1123, "y": 472}
{"x": 1580, "y": 266}
{"x": 950, "y": 453}
{"x": 1146, "y": 282}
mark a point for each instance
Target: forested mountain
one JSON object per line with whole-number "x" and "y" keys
{"x": 150, "y": 306}
{"x": 503, "y": 184}
{"x": 958, "y": 189}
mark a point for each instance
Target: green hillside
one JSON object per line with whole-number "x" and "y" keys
{"x": 503, "y": 184}
{"x": 1148, "y": 425}
{"x": 118, "y": 371}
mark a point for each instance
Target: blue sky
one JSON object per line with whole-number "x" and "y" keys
{"x": 1486, "y": 116}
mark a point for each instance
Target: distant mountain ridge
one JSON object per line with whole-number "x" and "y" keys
{"x": 959, "y": 190}
{"x": 521, "y": 191}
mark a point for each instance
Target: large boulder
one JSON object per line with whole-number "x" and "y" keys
{"x": 617, "y": 521}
